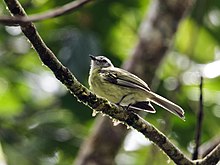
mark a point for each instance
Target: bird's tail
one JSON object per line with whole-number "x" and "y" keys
{"x": 168, "y": 105}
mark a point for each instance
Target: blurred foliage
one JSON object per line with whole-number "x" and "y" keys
{"x": 41, "y": 123}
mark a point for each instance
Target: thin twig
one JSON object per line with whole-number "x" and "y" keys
{"x": 69, "y": 7}
{"x": 198, "y": 130}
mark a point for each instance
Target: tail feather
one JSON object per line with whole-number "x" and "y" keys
{"x": 168, "y": 105}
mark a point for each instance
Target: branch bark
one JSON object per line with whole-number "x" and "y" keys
{"x": 69, "y": 7}
{"x": 212, "y": 158}
{"x": 208, "y": 146}
{"x": 85, "y": 96}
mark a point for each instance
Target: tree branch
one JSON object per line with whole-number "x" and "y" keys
{"x": 212, "y": 158}
{"x": 69, "y": 7}
{"x": 199, "y": 122}
{"x": 208, "y": 146}
{"x": 87, "y": 97}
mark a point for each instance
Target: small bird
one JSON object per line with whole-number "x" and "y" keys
{"x": 125, "y": 89}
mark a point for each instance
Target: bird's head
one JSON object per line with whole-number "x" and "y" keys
{"x": 100, "y": 62}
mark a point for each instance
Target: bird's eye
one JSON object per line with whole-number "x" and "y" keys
{"x": 104, "y": 60}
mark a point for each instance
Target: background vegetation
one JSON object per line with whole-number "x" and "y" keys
{"x": 41, "y": 123}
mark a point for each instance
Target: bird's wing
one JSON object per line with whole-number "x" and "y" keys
{"x": 123, "y": 78}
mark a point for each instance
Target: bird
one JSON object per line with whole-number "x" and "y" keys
{"x": 125, "y": 89}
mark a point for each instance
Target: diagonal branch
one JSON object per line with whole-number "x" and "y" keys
{"x": 212, "y": 158}
{"x": 69, "y": 7}
{"x": 87, "y": 97}
{"x": 208, "y": 146}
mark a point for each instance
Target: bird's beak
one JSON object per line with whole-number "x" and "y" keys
{"x": 92, "y": 57}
